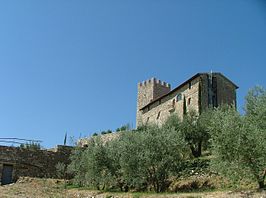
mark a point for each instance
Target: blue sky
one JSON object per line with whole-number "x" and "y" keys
{"x": 73, "y": 66}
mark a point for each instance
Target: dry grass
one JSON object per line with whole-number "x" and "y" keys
{"x": 50, "y": 188}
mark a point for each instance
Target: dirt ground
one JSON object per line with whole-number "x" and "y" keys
{"x": 49, "y": 188}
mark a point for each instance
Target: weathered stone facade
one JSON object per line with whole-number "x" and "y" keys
{"x": 84, "y": 142}
{"x": 156, "y": 101}
{"x": 33, "y": 163}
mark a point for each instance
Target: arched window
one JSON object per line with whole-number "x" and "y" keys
{"x": 189, "y": 101}
{"x": 178, "y": 97}
{"x": 173, "y": 103}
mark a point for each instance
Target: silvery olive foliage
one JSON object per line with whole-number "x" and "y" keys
{"x": 149, "y": 157}
{"x": 239, "y": 141}
{"x": 142, "y": 159}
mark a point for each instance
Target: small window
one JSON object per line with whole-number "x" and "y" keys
{"x": 189, "y": 85}
{"x": 178, "y": 97}
{"x": 148, "y": 118}
{"x": 173, "y": 103}
{"x": 189, "y": 101}
{"x": 158, "y": 116}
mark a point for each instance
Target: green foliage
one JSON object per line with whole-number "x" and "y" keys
{"x": 173, "y": 121}
{"x": 148, "y": 157}
{"x": 239, "y": 142}
{"x": 138, "y": 160}
{"x": 255, "y": 101}
{"x": 193, "y": 129}
{"x": 254, "y": 138}
{"x": 31, "y": 146}
{"x": 155, "y": 155}
{"x": 61, "y": 170}
{"x": 194, "y": 167}
{"x": 109, "y": 131}
{"x": 106, "y": 132}
{"x": 125, "y": 127}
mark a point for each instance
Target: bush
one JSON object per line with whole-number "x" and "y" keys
{"x": 141, "y": 160}
{"x": 31, "y": 146}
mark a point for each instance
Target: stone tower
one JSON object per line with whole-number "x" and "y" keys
{"x": 149, "y": 91}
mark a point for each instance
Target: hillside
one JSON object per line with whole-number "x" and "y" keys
{"x": 51, "y": 188}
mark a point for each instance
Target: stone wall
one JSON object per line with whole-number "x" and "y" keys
{"x": 148, "y": 91}
{"x": 159, "y": 111}
{"x": 104, "y": 138}
{"x": 203, "y": 97}
{"x": 33, "y": 163}
{"x": 226, "y": 92}
{"x": 202, "y": 91}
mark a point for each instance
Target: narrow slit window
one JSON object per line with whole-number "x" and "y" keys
{"x": 173, "y": 103}
{"x": 189, "y": 101}
{"x": 158, "y": 115}
{"x": 148, "y": 118}
{"x": 189, "y": 85}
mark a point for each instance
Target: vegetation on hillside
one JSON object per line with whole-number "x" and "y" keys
{"x": 239, "y": 142}
{"x": 151, "y": 158}
{"x": 31, "y": 146}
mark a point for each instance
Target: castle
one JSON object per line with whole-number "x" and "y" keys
{"x": 156, "y": 101}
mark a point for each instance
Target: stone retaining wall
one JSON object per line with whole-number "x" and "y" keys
{"x": 33, "y": 163}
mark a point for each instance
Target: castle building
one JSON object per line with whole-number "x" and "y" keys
{"x": 156, "y": 101}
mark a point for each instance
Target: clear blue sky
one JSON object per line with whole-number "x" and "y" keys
{"x": 73, "y": 66}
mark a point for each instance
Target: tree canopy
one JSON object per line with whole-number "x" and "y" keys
{"x": 147, "y": 158}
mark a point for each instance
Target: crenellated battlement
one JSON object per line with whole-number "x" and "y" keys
{"x": 154, "y": 81}
{"x": 148, "y": 91}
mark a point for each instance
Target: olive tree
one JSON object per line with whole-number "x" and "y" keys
{"x": 239, "y": 142}
{"x": 91, "y": 166}
{"x": 255, "y": 137}
{"x": 192, "y": 129}
{"x": 149, "y": 157}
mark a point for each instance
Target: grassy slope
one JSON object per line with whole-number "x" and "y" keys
{"x": 48, "y": 188}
